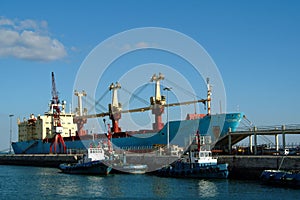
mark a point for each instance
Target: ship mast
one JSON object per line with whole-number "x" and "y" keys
{"x": 115, "y": 107}
{"x": 157, "y": 102}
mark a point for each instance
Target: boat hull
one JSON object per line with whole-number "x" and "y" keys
{"x": 219, "y": 171}
{"x": 88, "y": 168}
{"x": 280, "y": 178}
{"x": 130, "y": 169}
{"x": 180, "y": 133}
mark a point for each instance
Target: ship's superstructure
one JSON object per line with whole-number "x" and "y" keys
{"x": 52, "y": 127}
{"x": 41, "y": 127}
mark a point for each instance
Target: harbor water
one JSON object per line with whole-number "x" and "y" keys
{"x": 23, "y": 182}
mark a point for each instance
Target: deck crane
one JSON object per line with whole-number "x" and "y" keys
{"x": 115, "y": 108}
{"x": 158, "y": 102}
{"x": 157, "y": 105}
{"x": 80, "y": 112}
{"x": 57, "y": 129}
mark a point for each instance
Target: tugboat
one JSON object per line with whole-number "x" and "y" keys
{"x": 200, "y": 165}
{"x": 94, "y": 164}
{"x": 197, "y": 164}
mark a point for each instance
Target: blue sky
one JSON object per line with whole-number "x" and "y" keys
{"x": 255, "y": 45}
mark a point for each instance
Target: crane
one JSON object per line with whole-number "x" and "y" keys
{"x": 157, "y": 105}
{"x": 57, "y": 129}
{"x": 55, "y": 105}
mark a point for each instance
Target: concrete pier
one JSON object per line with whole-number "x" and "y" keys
{"x": 240, "y": 166}
{"x": 251, "y": 167}
{"x": 45, "y": 160}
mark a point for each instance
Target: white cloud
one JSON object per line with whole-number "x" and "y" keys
{"x": 142, "y": 45}
{"x": 30, "y": 40}
{"x": 128, "y": 47}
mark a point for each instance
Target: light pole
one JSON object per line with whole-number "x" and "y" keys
{"x": 168, "y": 128}
{"x": 10, "y": 132}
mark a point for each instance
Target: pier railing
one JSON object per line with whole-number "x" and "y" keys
{"x": 286, "y": 127}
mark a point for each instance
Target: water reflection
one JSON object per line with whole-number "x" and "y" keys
{"x": 50, "y": 182}
{"x": 207, "y": 189}
{"x": 160, "y": 188}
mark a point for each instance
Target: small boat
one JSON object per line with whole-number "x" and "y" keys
{"x": 94, "y": 164}
{"x": 198, "y": 164}
{"x": 129, "y": 168}
{"x": 281, "y": 178}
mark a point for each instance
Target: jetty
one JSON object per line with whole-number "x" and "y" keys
{"x": 240, "y": 166}
{"x": 42, "y": 160}
{"x": 251, "y": 166}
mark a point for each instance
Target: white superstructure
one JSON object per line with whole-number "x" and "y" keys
{"x": 43, "y": 127}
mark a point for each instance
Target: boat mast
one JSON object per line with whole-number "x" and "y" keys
{"x": 157, "y": 102}
{"x": 115, "y": 108}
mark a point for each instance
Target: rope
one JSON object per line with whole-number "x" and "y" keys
{"x": 136, "y": 96}
{"x": 191, "y": 94}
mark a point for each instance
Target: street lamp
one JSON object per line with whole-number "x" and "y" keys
{"x": 10, "y": 135}
{"x": 168, "y": 128}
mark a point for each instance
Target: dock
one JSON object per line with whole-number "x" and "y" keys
{"x": 42, "y": 160}
{"x": 251, "y": 166}
{"x": 240, "y": 166}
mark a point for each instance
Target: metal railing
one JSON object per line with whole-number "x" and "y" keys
{"x": 269, "y": 128}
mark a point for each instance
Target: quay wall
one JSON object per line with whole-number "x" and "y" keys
{"x": 251, "y": 167}
{"x": 45, "y": 160}
{"x": 240, "y": 166}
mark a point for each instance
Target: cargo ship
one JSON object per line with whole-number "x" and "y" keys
{"x": 60, "y": 132}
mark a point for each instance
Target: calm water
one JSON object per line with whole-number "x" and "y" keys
{"x": 19, "y": 182}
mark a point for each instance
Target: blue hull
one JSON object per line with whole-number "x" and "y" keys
{"x": 180, "y": 133}
{"x": 219, "y": 171}
{"x": 89, "y": 168}
{"x": 281, "y": 178}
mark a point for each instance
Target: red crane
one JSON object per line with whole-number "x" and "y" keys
{"x": 55, "y": 104}
{"x": 57, "y": 129}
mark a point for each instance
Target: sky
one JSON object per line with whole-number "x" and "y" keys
{"x": 254, "y": 44}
